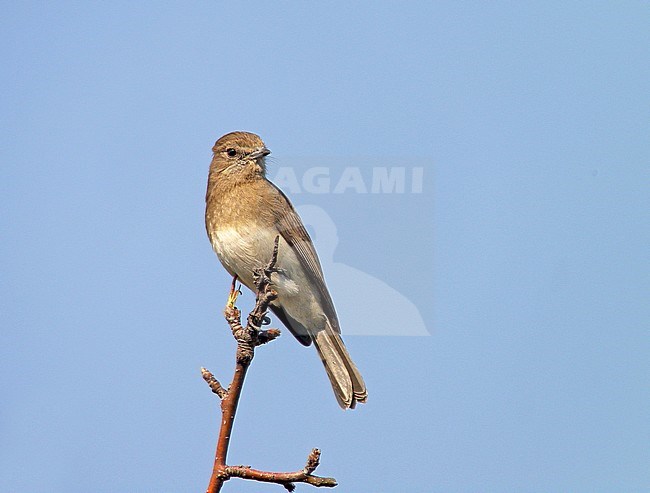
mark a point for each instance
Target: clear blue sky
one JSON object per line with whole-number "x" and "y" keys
{"x": 526, "y": 253}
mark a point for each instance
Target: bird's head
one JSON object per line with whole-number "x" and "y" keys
{"x": 239, "y": 154}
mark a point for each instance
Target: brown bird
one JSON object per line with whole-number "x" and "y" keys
{"x": 244, "y": 215}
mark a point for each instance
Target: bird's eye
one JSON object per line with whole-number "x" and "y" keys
{"x": 231, "y": 152}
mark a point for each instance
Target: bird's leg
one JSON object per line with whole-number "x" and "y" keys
{"x": 234, "y": 293}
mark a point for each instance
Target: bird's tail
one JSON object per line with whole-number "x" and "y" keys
{"x": 347, "y": 382}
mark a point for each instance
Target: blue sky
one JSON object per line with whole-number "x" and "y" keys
{"x": 525, "y": 255}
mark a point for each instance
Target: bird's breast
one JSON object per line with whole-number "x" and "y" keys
{"x": 242, "y": 251}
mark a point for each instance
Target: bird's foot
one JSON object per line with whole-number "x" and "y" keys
{"x": 234, "y": 293}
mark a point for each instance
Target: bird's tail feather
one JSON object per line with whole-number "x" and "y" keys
{"x": 347, "y": 382}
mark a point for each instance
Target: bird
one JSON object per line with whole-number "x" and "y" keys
{"x": 245, "y": 215}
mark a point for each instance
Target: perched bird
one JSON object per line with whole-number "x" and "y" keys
{"x": 244, "y": 215}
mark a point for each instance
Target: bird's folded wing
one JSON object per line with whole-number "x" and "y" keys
{"x": 295, "y": 234}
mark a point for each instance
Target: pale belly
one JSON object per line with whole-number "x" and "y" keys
{"x": 241, "y": 252}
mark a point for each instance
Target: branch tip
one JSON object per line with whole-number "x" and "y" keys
{"x": 213, "y": 383}
{"x": 313, "y": 460}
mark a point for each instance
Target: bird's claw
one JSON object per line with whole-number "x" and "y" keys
{"x": 233, "y": 295}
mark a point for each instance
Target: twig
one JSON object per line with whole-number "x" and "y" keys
{"x": 286, "y": 479}
{"x": 247, "y": 339}
{"x": 214, "y": 384}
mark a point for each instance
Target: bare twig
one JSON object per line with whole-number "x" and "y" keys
{"x": 214, "y": 384}
{"x": 286, "y": 479}
{"x": 247, "y": 339}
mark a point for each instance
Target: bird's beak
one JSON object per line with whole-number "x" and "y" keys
{"x": 259, "y": 152}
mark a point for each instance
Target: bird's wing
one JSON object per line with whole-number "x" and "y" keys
{"x": 295, "y": 234}
{"x": 298, "y": 330}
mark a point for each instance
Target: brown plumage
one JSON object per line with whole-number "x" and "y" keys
{"x": 244, "y": 214}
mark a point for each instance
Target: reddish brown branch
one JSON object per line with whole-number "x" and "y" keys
{"x": 247, "y": 339}
{"x": 286, "y": 479}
